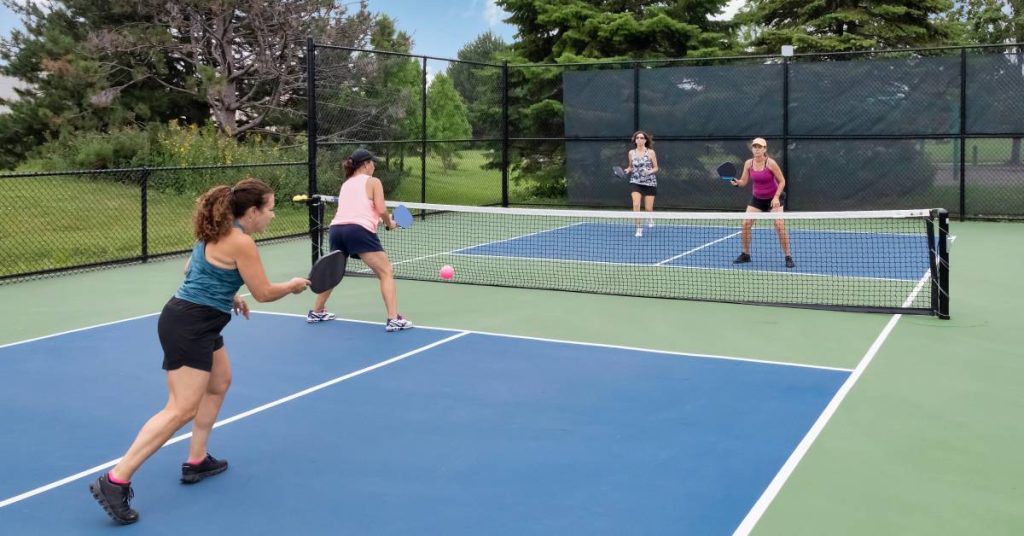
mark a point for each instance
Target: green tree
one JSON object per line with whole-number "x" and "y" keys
{"x": 843, "y": 25}
{"x": 70, "y": 88}
{"x": 446, "y": 120}
{"x": 568, "y": 31}
{"x": 480, "y": 85}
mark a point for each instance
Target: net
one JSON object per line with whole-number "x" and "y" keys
{"x": 884, "y": 261}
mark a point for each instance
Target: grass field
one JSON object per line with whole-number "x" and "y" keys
{"x": 99, "y": 222}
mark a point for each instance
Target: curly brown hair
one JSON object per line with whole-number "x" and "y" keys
{"x": 220, "y": 206}
{"x": 648, "y": 137}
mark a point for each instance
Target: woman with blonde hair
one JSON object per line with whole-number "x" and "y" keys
{"x": 769, "y": 192}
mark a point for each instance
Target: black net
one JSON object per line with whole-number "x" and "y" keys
{"x": 880, "y": 261}
{"x": 887, "y": 97}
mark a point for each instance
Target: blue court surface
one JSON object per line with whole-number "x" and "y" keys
{"x": 451, "y": 433}
{"x": 902, "y": 257}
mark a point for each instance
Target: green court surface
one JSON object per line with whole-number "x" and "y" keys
{"x": 927, "y": 440}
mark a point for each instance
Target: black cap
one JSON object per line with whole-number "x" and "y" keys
{"x": 362, "y": 155}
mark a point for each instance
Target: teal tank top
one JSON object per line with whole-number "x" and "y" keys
{"x": 207, "y": 284}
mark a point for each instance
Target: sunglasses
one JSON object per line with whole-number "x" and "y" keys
{"x": 757, "y": 146}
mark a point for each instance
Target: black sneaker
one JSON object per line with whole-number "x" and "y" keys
{"x": 744, "y": 257}
{"x": 190, "y": 474}
{"x": 114, "y": 499}
{"x": 789, "y": 262}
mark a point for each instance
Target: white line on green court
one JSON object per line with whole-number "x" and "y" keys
{"x": 229, "y": 420}
{"x": 769, "y": 494}
{"x": 591, "y": 344}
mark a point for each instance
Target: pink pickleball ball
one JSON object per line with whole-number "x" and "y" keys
{"x": 447, "y": 272}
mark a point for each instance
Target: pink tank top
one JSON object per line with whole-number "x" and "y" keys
{"x": 764, "y": 182}
{"x": 354, "y": 206}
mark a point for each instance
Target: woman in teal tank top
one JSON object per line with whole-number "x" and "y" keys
{"x": 198, "y": 371}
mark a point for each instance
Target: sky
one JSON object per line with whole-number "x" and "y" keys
{"x": 438, "y": 27}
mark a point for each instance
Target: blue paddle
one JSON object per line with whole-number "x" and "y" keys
{"x": 402, "y": 217}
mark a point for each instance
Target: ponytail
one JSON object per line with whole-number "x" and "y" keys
{"x": 220, "y": 206}
{"x": 349, "y": 168}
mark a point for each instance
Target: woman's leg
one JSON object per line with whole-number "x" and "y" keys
{"x": 636, "y": 197}
{"x": 748, "y": 226}
{"x": 379, "y": 263}
{"x": 209, "y": 406}
{"x": 320, "y": 304}
{"x": 185, "y": 389}
{"x": 649, "y": 206}
{"x": 780, "y": 228}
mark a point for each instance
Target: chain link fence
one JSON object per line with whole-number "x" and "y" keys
{"x": 73, "y": 220}
{"x": 852, "y": 131}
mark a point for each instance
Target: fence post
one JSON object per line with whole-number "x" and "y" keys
{"x": 504, "y": 133}
{"x": 311, "y": 135}
{"x": 423, "y": 136}
{"x": 963, "y": 133}
{"x": 636, "y": 96}
{"x": 144, "y": 214}
{"x": 785, "y": 130}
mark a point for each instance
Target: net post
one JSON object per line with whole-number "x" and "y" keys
{"x": 943, "y": 266}
{"x": 311, "y": 134}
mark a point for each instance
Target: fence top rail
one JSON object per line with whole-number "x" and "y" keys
{"x": 638, "y": 62}
{"x": 407, "y": 55}
{"x": 144, "y": 169}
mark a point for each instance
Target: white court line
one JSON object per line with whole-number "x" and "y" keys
{"x": 590, "y": 344}
{"x": 698, "y": 248}
{"x": 229, "y": 420}
{"x": 769, "y": 494}
{"x": 76, "y": 330}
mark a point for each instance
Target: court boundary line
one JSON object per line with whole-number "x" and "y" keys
{"x": 591, "y": 344}
{"x": 696, "y": 249}
{"x": 76, "y": 330}
{"x": 782, "y": 476}
{"x": 239, "y": 416}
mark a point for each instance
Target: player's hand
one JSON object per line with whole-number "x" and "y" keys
{"x": 390, "y": 224}
{"x": 734, "y": 182}
{"x": 240, "y": 307}
{"x": 297, "y": 285}
{"x": 776, "y": 203}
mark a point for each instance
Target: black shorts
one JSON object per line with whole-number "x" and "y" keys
{"x": 651, "y": 191}
{"x": 765, "y": 205}
{"x": 190, "y": 334}
{"x": 353, "y": 239}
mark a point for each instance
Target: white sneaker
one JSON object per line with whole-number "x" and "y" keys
{"x": 639, "y": 232}
{"x": 397, "y": 324}
{"x": 313, "y": 317}
{"x": 650, "y": 223}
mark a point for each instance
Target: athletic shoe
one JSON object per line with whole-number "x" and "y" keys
{"x": 744, "y": 257}
{"x": 312, "y": 317}
{"x": 397, "y": 324}
{"x": 115, "y": 500}
{"x": 789, "y": 262}
{"x": 639, "y": 232}
{"x": 650, "y": 222}
{"x": 190, "y": 474}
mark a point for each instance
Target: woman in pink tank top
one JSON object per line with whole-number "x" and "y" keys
{"x": 354, "y": 231}
{"x": 768, "y": 194}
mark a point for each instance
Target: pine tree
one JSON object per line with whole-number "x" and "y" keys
{"x": 843, "y": 25}
{"x": 446, "y": 120}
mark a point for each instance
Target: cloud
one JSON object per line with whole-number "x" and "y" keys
{"x": 492, "y": 13}
{"x": 730, "y": 10}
